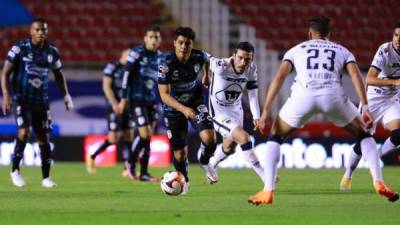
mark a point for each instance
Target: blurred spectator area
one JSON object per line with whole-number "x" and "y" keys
{"x": 360, "y": 25}
{"x": 90, "y": 30}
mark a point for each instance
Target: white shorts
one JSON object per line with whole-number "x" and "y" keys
{"x": 226, "y": 119}
{"x": 337, "y": 109}
{"x": 384, "y": 109}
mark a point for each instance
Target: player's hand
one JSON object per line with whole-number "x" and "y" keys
{"x": 367, "y": 118}
{"x": 189, "y": 113}
{"x": 262, "y": 127}
{"x": 205, "y": 81}
{"x": 255, "y": 124}
{"x": 69, "y": 105}
{"x": 115, "y": 108}
{"x": 121, "y": 106}
{"x": 6, "y": 106}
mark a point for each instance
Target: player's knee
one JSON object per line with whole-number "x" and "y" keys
{"x": 395, "y": 137}
{"x": 180, "y": 155}
{"x": 275, "y": 138}
{"x": 23, "y": 134}
{"x": 208, "y": 137}
{"x": 244, "y": 138}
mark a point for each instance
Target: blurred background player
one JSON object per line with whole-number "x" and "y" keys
{"x": 140, "y": 89}
{"x": 230, "y": 76}
{"x": 30, "y": 61}
{"x": 117, "y": 121}
{"x": 383, "y": 97}
{"x": 319, "y": 64}
{"x": 182, "y": 97}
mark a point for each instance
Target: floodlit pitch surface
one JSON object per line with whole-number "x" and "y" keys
{"x": 303, "y": 197}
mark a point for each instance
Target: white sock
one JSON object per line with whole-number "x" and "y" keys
{"x": 353, "y": 163}
{"x": 271, "y": 165}
{"x": 219, "y": 156}
{"x": 387, "y": 147}
{"x": 252, "y": 158}
{"x": 371, "y": 155}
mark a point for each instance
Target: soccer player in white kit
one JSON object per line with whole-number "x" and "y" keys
{"x": 319, "y": 64}
{"x": 383, "y": 97}
{"x": 229, "y": 78}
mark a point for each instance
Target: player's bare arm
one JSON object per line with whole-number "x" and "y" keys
{"x": 372, "y": 79}
{"x": 359, "y": 86}
{"x": 164, "y": 90}
{"x": 62, "y": 85}
{"x": 108, "y": 92}
{"x": 205, "y": 80}
{"x": 5, "y": 75}
{"x": 274, "y": 88}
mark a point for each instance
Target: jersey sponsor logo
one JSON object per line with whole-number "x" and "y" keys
{"x": 175, "y": 73}
{"x": 184, "y": 98}
{"x": 36, "y": 71}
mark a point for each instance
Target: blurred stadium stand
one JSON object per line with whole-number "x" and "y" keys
{"x": 90, "y": 31}
{"x": 360, "y": 25}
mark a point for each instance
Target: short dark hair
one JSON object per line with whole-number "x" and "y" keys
{"x": 320, "y": 24}
{"x": 396, "y": 24}
{"x": 154, "y": 28}
{"x": 186, "y": 32}
{"x": 38, "y": 20}
{"x": 245, "y": 46}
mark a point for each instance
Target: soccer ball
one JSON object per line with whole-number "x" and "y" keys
{"x": 172, "y": 183}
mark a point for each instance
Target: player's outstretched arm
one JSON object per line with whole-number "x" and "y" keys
{"x": 164, "y": 90}
{"x": 62, "y": 85}
{"x": 275, "y": 86}
{"x": 108, "y": 92}
{"x": 273, "y": 90}
{"x": 359, "y": 85}
{"x": 8, "y": 68}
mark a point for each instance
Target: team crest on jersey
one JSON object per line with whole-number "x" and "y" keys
{"x": 49, "y": 58}
{"x": 230, "y": 94}
{"x": 197, "y": 68}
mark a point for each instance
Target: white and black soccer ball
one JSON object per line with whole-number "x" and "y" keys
{"x": 172, "y": 183}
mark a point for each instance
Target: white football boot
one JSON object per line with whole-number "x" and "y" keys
{"x": 48, "y": 183}
{"x": 17, "y": 179}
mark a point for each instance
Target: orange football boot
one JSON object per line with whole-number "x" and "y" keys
{"x": 262, "y": 197}
{"x": 385, "y": 191}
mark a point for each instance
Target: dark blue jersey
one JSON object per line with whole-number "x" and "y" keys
{"x": 141, "y": 84}
{"x": 29, "y": 82}
{"x": 182, "y": 78}
{"x": 115, "y": 71}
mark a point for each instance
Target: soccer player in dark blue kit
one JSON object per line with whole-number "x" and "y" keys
{"x": 116, "y": 120}
{"x": 140, "y": 90}
{"x": 30, "y": 62}
{"x": 183, "y": 100}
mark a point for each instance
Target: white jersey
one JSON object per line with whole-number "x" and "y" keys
{"x": 227, "y": 85}
{"x": 319, "y": 65}
{"x": 387, "y": 61}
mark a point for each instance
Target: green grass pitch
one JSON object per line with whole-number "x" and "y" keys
{"x": 302, "y": 197}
